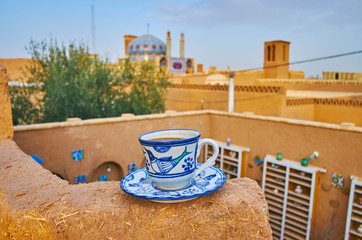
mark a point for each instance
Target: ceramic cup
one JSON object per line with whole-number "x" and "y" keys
{"x": 171, "y": 156}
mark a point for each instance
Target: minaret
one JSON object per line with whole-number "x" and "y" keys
{"x": 168, "y": 46}
{"x": 182, "y": 46}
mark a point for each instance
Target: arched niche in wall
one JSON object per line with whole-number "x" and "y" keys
{"x": 163, "y": 62}
{"x": 112, "y": 170}
{"x": 189, "y": 66}
{"x": 189, "y": 63}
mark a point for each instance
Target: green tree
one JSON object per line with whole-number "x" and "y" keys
{"x": 23, "y": 104}
{"x": 148, "y": 85}
{"x": 76, "y": 84}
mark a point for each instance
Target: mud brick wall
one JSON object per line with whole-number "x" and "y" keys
{"x": 36, "y": 204}
{"x": 6, "y": 122}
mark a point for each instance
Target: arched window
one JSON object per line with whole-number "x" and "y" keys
{"x": 189, "y": 63}
{"x": 163, "y": 62}
{"x": 107, "y": 171}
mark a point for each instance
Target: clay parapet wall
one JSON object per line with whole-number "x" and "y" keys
{"x": 35, "y": 204}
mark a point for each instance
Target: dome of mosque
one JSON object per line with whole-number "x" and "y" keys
{"x": 216, "y": 78}
{"x": 147, "y": 44}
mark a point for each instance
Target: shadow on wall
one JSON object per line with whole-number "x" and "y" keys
{"x": 59, "y": 176}
{"x": 108, "y": 171}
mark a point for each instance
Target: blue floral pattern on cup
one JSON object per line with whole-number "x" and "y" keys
{"x": 189, "y": 163}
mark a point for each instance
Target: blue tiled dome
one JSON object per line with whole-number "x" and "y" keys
{"x": 147, "y": 43}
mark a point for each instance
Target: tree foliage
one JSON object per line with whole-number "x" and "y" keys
{"x": 76, "y": 84}
{"x": 147, "y": 88}
{"x": 24, "y": 109}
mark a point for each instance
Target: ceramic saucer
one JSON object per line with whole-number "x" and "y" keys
{"x": 138, "y": 184}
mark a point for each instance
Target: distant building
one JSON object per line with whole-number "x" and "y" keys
{"x": 149, "y": 47}
{"x": 342, "y": 76}
{"x": 216, "y": 78}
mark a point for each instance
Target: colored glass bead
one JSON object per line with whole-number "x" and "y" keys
{"x": 304, "y": 162}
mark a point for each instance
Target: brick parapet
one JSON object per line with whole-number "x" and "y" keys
{"x": 324, "y": 101}
{"x": 238, "y": 88}
{"x": 299, "y": 101}
{"x": 309, "y": 81}
{"x": 339, "y": 102}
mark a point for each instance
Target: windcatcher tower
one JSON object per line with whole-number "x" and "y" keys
{"x": 276, "y": 59}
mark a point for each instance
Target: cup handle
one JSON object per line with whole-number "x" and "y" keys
{"x": 211, "y": 161}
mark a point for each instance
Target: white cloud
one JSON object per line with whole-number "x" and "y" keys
{"x": 291, "y": 14}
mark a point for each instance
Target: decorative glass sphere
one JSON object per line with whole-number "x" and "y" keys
{"x": 304, "y": 162}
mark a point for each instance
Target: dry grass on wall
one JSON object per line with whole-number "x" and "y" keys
{"x": 31, "y": 225}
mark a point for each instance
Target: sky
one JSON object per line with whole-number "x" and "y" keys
{"x": 221, "y": 33}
